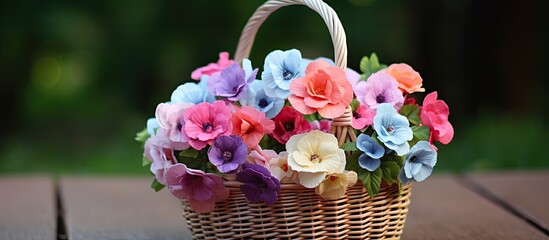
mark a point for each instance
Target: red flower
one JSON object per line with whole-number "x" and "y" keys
{"x": 434, "y": 114}
{"x": 289, "y": 122}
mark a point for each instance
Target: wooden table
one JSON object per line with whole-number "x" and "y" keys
{"x": 512, "y": 205}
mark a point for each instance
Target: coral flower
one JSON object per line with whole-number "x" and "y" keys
{"x": 289, "y": 122}
{"x": 324, "y": 89}
{"x": 434, "y": 114}
{"x": 409, "y": 81}
{"x": 334, "y": 185}
{"x": 380, "y": 88}
{"x": 205, "y": 121}
{"x": 201, "y": 189}
{"x": 251, "y": 124}
{"x": 362, "y": 117}
{"x": 213, "y": 68}
{"x": 314, "y": 155}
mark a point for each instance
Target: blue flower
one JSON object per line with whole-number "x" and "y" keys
{"x": 392, "y": 129}
{"x": 152, "y": 125}
{"x": 256, "y": 97}
{"x": 193, "y": 93}
{"x": 419, "y": 163}
{"x": 370, "y": 159}
{"x": 279, "y": 70}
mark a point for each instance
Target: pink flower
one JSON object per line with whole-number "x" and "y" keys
{"x": 324, "y": 89}
{"x": 362, "y": 117}
{"x": 159, "y": 151}
{"x": 409, "y": 81}
{"x": 212, "y": 68}
{"x": 251, "y": 124}
{"x": 324, "y": 125}
{"x": 170, "y": 119}
{"x": 261, "y": 157}
{"x": 434, "y": 114}
{"x": 201, "y": 189}
{"x": 289, "y": 122}
{"x": 205, "y": 121}
{"x": 380, "y": 88}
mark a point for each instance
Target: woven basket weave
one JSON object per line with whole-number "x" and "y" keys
{"x": 299, "y": 212}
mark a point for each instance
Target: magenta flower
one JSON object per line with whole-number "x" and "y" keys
{"x": 259, "y": 185}
{"x": 362, "y": 117}
{"x": 170, "y": 120}
{"x": 206, "y": 121}
{"x": 213, "y": 68}
{"x": 324, "y": 125}
{"x": 227, "y": 153}
{"x": 201, "y": 189}
{"x": 380, "y": 88}
{"x": 160, "y": 153}
{"x": 232, "y": 82}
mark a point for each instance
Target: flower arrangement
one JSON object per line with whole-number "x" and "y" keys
{"x": 231, "y": 126}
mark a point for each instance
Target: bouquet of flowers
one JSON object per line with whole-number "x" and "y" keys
{"x": 275, "y": 127}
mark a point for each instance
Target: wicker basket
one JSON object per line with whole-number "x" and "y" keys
{"x": 299, "y": 212}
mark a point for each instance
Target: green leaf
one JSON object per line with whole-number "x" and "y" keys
{"x": 394, "y": 158}
{"x": 374, "y": 62}
{"x": 352, "y": 162}
{"x": 421, "y": 132}
{"x": 145, "y": 161}
{"x": 142, "y": 136}
{"x": 389, "y": 171}
{"x": 354, "y": 104}
{"x": 350, "y": 146}
{"x": 189, "y": 153}
{"x": 371, "y": 181}
{"x": 156, "y": 185}
{"x": 411, "y": 112}
{"x": 365, "y": 64}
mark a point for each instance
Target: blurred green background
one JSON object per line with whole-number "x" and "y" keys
{"x": 79, "y": 78}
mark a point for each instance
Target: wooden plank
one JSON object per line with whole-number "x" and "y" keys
{"x": 442, "y": 208}
{"x": 120, "y": 208}
{"x": 525, "y": 191}
{"x": 27, "y": 208}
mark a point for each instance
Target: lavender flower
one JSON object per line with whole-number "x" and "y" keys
{"x": 380, "y": 88}
{"x": 259, "y": 185}
{"x": 227, "y": 153}
{"x": 232, "y": 82}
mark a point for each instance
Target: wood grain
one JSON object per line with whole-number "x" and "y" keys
{"x": 27, "y": 208}
{"x": 442, "y": 208}
{"x": 525, "y": 191}
{"x": 120, "y": 208}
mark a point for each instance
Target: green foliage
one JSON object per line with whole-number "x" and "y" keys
{"x": 421, "y": 133}
{"x": 352, "y": 162}
{"x": 142, "y": 136}
{"x": 371, "y": 180}
{"x": 157, "y": 186}
{"x": 350, "y": 146}
{"x": 145, "y": 161}
{"x": 411, "y": 111}
{"x": 389, "y": 171}
{"x": 354, "y": 104}
{"x": 197, "y": 159}
{"x": 189, "y": 153}
{"x": 369, "y": 66}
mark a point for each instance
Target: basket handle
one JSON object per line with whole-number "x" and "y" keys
{"x": 326, "y": 12}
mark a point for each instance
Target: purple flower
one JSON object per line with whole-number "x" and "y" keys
{"x": 201, "y": 189}
{"x": 232, "y": 82}
{"x": 259, "y": 185}
{"x": 227, "y": 153}
{"x": 380, "y": 88}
